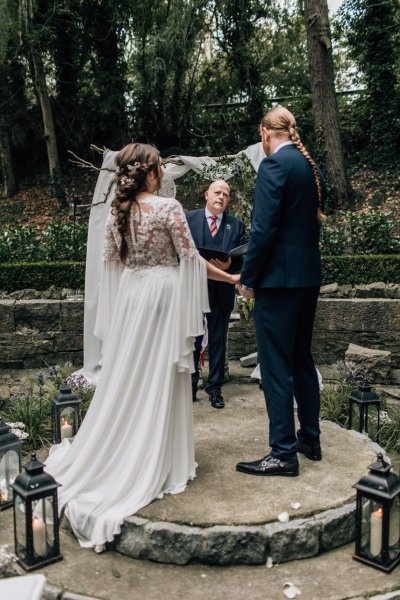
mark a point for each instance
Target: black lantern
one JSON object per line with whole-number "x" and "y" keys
{"x": 364, "y": 411}
{"x": 36, "y": 517}
{"x": 66, "y": 419}
{"x": 10, "y": 463}
{"x": 378, "y": 517}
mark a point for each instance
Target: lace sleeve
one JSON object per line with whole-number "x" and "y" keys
{"x": 180, "y": 232}
{"x": 110, "y": 248}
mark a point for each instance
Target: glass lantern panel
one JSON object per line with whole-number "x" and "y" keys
{"x": 371, "y": 528}
{"x": 43, "y": 527}
{"x": 68, "y": 422}
{"x": 394, "y": 526}
{"x": 20, "y": 528}
{"x": 365, "y": 419}
{"x": 371, "y": 425}
{"x": 9, "y": 469}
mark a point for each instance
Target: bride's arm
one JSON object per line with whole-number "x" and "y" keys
{"x": 218, "y": 275}
{"x": 112, "y": 268}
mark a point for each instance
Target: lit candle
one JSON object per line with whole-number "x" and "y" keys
{"x": 4, "y": 495}
{"x": 39, "y": 536}
{"x": 375, "y": 545}
{"x": 66, "y": 429}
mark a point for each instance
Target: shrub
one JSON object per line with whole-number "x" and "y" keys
{"x": 58, "y": 241}
{"x": 41, "y": 275}
{"x": 389, "y": 432}
{"x": 357, "y": 270}
{"x": 31, "y": 410}
{"x": 367, "y": 231}
{"x": 18, "y": 243}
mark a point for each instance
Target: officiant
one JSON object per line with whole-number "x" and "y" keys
{"x": 216, "y": 233}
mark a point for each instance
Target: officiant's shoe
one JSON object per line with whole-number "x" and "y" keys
{"x": 270, "y": 466}
{"x": 310, "y": 452}
{"x": 216, "y": 400}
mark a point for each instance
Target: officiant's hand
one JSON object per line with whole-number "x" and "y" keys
{"x": 222, "y": 264}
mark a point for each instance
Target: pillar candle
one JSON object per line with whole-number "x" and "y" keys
{"x": 375, "y": 544}
{"x": 66, "y": 430}
{"x": 39, "y": 536}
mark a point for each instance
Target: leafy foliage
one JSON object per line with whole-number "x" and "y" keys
{"x": 56, "y": 242}
{"x": 371, "y": 28}
{"x": 41, "y": 276}
{"x": 33, "y": 406}
{"x": 358, "y": 270}
{"x": 367, "y": 231}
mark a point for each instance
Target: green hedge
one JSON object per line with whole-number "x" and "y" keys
{"x": 344, "y": 270}
{"x": 41, "y": 275}
{"x": 361, "y": 269}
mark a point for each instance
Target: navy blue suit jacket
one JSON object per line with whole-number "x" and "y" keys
{"x": 284, "y": 237}
{"x": 221, "y": 295}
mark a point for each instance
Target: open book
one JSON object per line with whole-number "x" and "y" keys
{"x": 209, "y": 253}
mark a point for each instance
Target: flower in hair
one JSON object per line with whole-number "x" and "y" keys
{"x": 124, "y": 180}
{"x": 132, "y": 167}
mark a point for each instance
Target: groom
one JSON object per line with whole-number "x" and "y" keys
{"x": 212, "y": 228}
{"x": 282, "y": 270}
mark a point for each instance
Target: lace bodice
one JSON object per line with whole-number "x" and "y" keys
{"x": 158, "y": 234}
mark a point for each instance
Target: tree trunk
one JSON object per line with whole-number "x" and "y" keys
{"x": 325, "y": 109}
{"x": 47, "y": 113}
{"x": 9, "y": 186}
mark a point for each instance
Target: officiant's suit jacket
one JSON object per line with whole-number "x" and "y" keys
{"x": 283, "y": 266}
{"x": 231, "y": 233}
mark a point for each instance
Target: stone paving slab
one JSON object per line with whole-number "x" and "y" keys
{"x": 329, "y": 576}
{"x": 227, "y": 517}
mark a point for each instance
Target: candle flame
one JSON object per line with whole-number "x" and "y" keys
{"x": 379, "y": 512}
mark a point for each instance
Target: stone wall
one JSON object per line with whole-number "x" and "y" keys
{"x": 38, "y": 331}
{"x": 345, "y": 315}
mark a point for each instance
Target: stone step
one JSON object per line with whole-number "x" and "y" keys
{"x": 237, "y": 544}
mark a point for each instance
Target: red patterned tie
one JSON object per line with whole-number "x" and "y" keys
{"x": 213, "y": 225}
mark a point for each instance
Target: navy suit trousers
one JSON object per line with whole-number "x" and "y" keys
{"x": 284, "y": 319}
{"x": 217, "y": 322}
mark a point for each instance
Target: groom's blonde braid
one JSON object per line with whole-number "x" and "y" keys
{"x": 295, "y": 138}
{"x": 281, "y": 120}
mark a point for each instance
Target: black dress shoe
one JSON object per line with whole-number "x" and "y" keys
{"x": 270, "y": 466}
{"x": 216, "y": 400}
{"x": 194, "y": 397}
{"x": 310, "y": 452}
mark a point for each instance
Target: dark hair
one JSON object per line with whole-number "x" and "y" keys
{"x": 134, "y": 162}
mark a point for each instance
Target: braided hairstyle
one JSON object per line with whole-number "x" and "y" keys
{"x": 282, "y": 121}
{"x": 134, "y": 163}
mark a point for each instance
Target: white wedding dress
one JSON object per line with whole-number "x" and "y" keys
{"x": 136, "y": 441}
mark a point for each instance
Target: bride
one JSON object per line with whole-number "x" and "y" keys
{"x": 136, "y": 441}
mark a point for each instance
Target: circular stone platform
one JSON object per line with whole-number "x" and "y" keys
{"x": 227, "y": 517}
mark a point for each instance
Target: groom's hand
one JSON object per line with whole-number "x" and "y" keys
{"x": 222, "y": 264}
{"x": 246, "y": 292}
